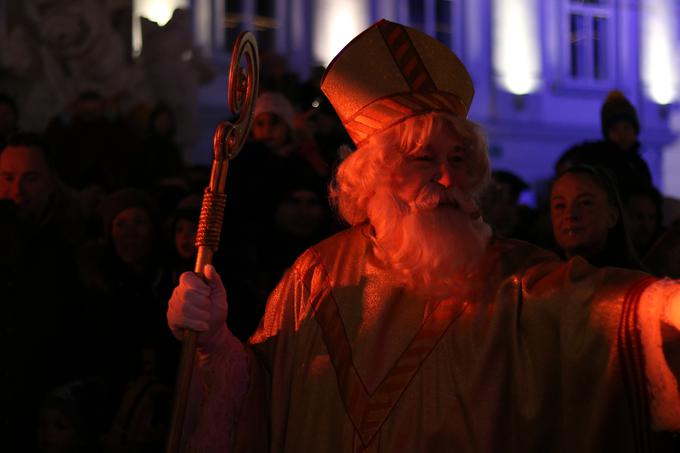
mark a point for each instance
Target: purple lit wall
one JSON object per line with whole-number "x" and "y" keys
{"x": 537, "y": 90}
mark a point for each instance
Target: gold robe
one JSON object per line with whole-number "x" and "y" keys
{"x": 543, "y": 356}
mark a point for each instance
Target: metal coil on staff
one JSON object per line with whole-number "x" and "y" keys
{"x": 210, "y": 221}
{"x": 228, "y": 141}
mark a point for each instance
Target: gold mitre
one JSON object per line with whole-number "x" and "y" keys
{"x": 391, "y": 72}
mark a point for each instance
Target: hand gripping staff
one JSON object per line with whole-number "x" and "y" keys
{"x": 227, "y": 142}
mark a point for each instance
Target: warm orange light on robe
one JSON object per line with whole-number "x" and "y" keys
{"x": 542, "y": 356}
{"x": 545, "y": 356}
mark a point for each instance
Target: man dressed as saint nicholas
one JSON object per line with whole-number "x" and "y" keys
{"x": 417, "y": 330}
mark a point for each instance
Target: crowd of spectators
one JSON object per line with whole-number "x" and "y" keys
{"x": 99, "y": 212}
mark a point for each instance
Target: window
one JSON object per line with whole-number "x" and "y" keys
{"x": 589, "y": 41}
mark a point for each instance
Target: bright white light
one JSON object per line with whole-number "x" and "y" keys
{"x": 159, "y": 11}
{"x": 335, "y": 24}
{"x": 659, "y": 60}
{"x": 516, "y": 53}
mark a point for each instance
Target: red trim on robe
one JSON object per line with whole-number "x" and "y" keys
{"x": 369, "y": 411}
{"x": 633, "y": 365}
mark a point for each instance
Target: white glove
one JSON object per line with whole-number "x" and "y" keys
{"x": 201, "y": 307}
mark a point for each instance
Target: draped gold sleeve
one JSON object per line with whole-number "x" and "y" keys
{"x": 541, "y": 355}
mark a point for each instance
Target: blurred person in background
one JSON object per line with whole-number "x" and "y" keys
{"x": 588, "y": 219}
{"x": 627, "y": 168}
{"x": 121, "y": 271}
{"x": 160, "y": 157}
{"x": 182, "y": 229}
{"x": 301, "y": 218}
{"x": 642, "y": 206}
{"x": 94, "y": 148}
{"x": 501, "y": 208}
{"x": 319, "y": 119}
{"x": 621, "y": 127}
{"x": 285, "y": 132}
{"x": 74, "y": 417}
{"x": 663, "y": 259}
{"x": 41, "y": 224}
{"x": 9, "y": 118}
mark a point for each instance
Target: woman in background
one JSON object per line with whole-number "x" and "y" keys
{"x": 587, "y": 218}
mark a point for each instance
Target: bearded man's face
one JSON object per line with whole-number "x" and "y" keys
{"x": 426, "y": 223}
{"x": 434, "y": 172}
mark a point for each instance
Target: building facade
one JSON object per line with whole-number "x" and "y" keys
{"x": 542, "y": 68}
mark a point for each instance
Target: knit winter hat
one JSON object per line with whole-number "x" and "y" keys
{"x": 617, "y": 108}
{"x": 276, "y": 103}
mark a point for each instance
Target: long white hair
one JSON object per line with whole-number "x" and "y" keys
{"x": 431, "y": 247}
{"x": 371, "y": 166}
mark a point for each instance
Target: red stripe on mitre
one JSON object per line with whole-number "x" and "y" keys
{"x": 401, "y": 50}
{"x": 393, "y": 109}
{"x": 452, "y": 102}
{"x": 391, "y": 31}
{"x": 373, "y": 121}
{"x": 435, "y": 101}
{"x": 431, "y": 101}
{"x": 363, "y": 128}
{"x": 420, "y": 82}
{"x": 408, "y": 60}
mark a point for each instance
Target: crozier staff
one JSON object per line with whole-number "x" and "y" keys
{"x": 416, "y": 330}
{"x": 228, "y": 140}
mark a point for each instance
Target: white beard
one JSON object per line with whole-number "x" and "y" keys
{"x": 433, "y": 242}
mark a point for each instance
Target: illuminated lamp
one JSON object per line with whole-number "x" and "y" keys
{"x": 516, "y": 53}
{"x": 159, "y": 11}
{"x": 335, "y": 24}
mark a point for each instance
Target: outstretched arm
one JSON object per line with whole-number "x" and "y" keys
{"x": 660, "y": 332}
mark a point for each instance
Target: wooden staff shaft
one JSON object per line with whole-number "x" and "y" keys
{"x": 227, "y": 143}
{"x": 207, "y": 239}
{"x": 186, "y": 365}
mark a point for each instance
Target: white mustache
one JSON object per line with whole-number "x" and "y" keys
{"x": 434, "y": 195}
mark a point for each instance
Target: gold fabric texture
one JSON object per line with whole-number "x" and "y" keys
{"x": 391, "y": 72}
{"x": 542, "y": 356}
